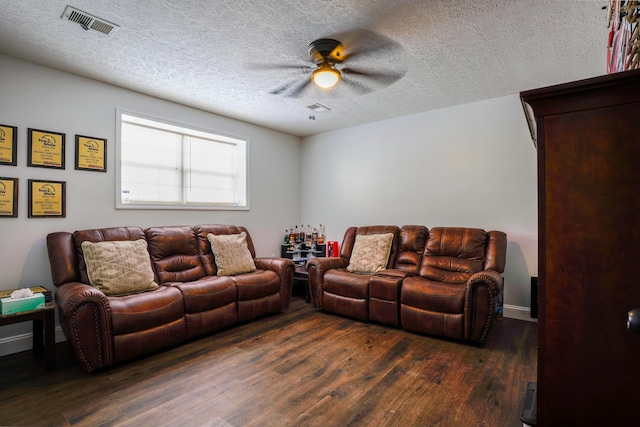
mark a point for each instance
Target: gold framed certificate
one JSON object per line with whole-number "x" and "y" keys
{"x": 91, "y": 153}
{"x": 47, "y": 199}
{"x": 9, "y": 197}
{"x": 8, "y": 145}
{"x": 45, "y": 149}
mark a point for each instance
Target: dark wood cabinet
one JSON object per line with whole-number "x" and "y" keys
{"x": 588, "y": 141}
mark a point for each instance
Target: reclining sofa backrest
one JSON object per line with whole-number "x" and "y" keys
{"x": 204, "y": 247}
{"x": 350, "y": 237}
{"x": 174, "y": 253}
{"x": 99, "y": 235}
{"x": 178, "y": 253}
{"x": 411, "y": 247}
{"x": 454, "y": 254}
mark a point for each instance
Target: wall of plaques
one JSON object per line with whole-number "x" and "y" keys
{"x": 45, "y": 149}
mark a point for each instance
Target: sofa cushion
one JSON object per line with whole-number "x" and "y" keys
{"x": 453, "y": 254}
{"x": 119, "y": 267}
{"x": 231, "y": 254}
{"x": 433, "y": 296}
{"x": 174, "y": 254}
{"x": 101, "y": 235}
{"x": 339, "y": 281}
{"x": 370, "y": 253}
{"x": 207, "y": 293}
{"x": 146, "y": 311}
{"x": 256, "y": 285}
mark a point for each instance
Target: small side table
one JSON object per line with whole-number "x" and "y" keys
{"x": 43, "y": 330}
{"x": 301, "y": 275}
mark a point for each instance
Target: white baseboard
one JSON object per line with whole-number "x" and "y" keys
{"x": 518, "y": 312}
{"x": 24, "y": 342}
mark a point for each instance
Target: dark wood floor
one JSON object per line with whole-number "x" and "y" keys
{"x": 301, "y": 368}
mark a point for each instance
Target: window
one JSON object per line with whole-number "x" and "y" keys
{"x": 166, "y": 166}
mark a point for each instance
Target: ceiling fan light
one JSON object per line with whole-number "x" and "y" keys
{"x": 325, "y": 76}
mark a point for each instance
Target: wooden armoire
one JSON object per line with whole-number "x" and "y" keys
{"x": 588, "y": 141}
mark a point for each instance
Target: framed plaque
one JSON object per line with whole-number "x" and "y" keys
{"x": 47, "y": 199}
{"x": 9, "y": 197}
{"x": 91, "y": 153}
{"x": 45, "y": 149}
{"x": 8, "y": 145}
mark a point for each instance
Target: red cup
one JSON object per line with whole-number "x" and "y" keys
{"x": 332, "y": 249}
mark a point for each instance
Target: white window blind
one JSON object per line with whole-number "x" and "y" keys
{"x": 168, "y": 166}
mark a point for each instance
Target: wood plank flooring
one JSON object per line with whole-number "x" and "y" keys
{"x": 300, "y": 368}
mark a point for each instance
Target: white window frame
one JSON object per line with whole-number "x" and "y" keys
{"x": 241, "y": 166}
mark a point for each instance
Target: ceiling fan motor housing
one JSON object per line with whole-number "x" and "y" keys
{"x": 326, "y": 51}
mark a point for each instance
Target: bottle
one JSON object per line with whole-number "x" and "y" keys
{"x": 286, "y": 237}
{"x": 321, "y": 235}
{"x": 314, "y": 236}
{"x": 307, "y": 238}
{"x": 294, "y": 235}
{"x": 302, "y": 235}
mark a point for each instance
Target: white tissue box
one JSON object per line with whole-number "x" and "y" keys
{"x": 11, "y": 306}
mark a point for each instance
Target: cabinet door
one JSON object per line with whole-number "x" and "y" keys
{"x": 589, "y": 237}
{"x": 592, "y": 264}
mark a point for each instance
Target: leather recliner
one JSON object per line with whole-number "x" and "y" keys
{"x": 441, "y": 282}
{"x": 337, "y": 290}
{"x": 454, "y": 295}
{"x": 191, "y": 300}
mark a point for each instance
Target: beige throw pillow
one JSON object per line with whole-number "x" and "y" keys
{"x": 119, "y": 267}
{"x": 231, "y": 253}
{"x": 370, "y": 253}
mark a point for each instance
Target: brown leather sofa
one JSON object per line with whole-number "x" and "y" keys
{"x": 191, "y": 299}
{"x": 441, "y": 282}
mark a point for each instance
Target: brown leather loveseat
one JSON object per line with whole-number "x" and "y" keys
{"x": 442, "y": 282}
{"x": 188, "y": 295}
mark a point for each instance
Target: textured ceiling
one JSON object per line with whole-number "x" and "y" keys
{"x": 205, "y": 53}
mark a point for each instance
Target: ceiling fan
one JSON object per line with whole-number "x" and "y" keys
{"x": 328, "y": 67}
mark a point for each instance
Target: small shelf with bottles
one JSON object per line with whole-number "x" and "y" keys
{"x": 304, "y": 243}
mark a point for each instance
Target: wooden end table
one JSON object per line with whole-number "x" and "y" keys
{"x": 43, "y": 330}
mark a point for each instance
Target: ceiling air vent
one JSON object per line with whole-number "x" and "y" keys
{"x": 88, "y": 21}
{"x": 318, "y": 108}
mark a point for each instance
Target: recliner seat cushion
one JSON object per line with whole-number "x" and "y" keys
{"x": 257, "y": 284}
{"x": 140, "y": 312}
{"x": 207, "y": 293}
{"x": 341, "y": 282}
{"x": 433, "y": 296}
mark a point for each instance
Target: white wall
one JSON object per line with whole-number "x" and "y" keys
{"x": 472, "y": 165}
{"x": 37, "y": 97}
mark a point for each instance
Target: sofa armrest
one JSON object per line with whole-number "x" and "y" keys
{"x": 316, "y": 267}
{"x": 284, "y": 268}
{"x": 480, "y": 303}
{"x": 79, "y": 306}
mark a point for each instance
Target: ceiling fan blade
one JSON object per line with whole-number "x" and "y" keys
{"x": 358, "y": 86}
{"x": 361, "y": 42}
{"x": 295, "y": 93}
{"x": 385, "y": 78}
{"x": 254, "y": 66}
{"x": 280, "y": 89}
